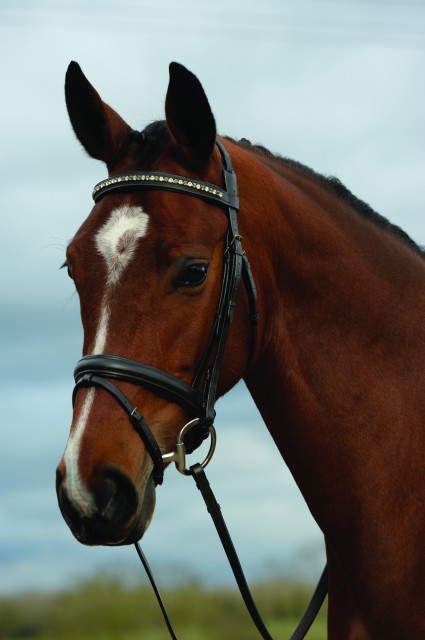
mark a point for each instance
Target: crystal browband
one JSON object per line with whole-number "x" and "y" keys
{"x": 170, "y": 181}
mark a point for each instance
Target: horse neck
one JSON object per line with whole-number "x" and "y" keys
{"x": 342, "y": 305}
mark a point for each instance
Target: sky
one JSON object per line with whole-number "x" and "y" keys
{"x": 338, "y": 85}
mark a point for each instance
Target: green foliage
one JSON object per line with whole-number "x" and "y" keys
{"x": 105, "y": 608}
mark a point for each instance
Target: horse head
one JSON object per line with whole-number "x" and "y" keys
{"x": 148, "y": 267}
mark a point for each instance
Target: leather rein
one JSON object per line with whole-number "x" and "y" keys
{"x": 98, "y": 370}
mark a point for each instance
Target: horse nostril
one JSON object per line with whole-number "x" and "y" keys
{"x": 115, "y": 496}
{"x": 105, "y": 492}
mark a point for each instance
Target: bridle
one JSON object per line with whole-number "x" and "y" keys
{"x": 97, "y": 370}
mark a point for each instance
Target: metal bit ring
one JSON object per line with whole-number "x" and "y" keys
{"x": 178, "y": 456}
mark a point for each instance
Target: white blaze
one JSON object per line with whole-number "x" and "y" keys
{"x": 116, "y": 241}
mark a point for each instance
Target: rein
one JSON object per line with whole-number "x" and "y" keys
{"x": 98, "y": 370}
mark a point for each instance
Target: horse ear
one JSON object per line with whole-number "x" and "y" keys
{"x": 189, "y": 116}
{"x": 99, "y": 128}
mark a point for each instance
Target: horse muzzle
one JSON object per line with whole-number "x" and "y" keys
{"x": 111, "y": 512}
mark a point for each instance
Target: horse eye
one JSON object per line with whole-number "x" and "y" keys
{"x": 68, "y": 268}
{"x": 193, "y": 275}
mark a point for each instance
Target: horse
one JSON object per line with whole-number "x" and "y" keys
{"x": 336, "y": 368}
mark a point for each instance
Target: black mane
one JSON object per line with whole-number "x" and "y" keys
{"x": 155, "y": 137}
{"x": 335, "y": 185}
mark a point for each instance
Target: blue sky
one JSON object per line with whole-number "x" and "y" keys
{"x": 337, "y": 85}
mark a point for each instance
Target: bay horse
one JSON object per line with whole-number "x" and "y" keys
{"x": 336, "y": 370}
